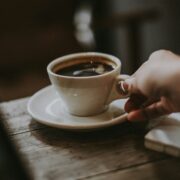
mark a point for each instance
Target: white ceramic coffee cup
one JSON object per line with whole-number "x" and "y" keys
{"x": 90, "y": 95}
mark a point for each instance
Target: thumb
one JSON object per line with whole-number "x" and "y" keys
{"x": 130, "y": 85}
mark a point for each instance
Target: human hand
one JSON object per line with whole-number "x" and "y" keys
{"x": 154, "y": 87}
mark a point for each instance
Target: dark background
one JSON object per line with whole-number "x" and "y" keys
{"x": 33, "y": 33}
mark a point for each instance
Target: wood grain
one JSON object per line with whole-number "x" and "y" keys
{"x": 56, "y": 154}
{"x": 165, "y": 169}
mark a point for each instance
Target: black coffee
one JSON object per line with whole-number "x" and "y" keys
{"x": 91, "y": 68}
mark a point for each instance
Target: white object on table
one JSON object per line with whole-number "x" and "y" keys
{"x": 165, "y": 137}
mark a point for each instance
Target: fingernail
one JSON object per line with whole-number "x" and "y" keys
{"x": 122, "y": 88}
{"x": 125, "y": 86}
{"x": 128, "y": 83}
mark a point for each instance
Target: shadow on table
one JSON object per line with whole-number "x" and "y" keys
{"x": 126, "y": 138}
{"x": 51, "y": 136}
{"x": 11, "y": 166}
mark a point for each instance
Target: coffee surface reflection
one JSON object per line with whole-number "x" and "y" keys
{"x": 85, "y": 69}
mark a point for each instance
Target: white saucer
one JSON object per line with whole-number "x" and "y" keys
{"x": 46, "y": 107}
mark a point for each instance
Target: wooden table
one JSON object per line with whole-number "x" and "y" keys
{"x": 114, "y": 153}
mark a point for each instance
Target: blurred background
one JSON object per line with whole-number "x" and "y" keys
{"x": 33, "y": 33}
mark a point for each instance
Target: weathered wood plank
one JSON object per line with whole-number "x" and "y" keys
{"x": 56, "y": 154}
{"x": 21, "y": 124}
{"x": 53, "y": 153}
{"x": 165, "y": 169}
{"x": 13, "y": 108}
{"x": 16, "y": 118}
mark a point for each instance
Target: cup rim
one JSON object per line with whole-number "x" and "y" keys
{"x": 83, "y": 54}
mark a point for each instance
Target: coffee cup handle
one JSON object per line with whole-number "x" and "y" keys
{"x": 118, "y": 91}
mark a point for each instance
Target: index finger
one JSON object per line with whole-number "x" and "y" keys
{"x": 135, "y": 102}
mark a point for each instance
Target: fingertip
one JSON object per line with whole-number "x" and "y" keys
{"x": 136, "y": 116}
